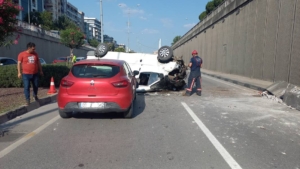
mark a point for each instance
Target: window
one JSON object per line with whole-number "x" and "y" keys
{"x": 10, "y": 62}
{"x": 95, "y": 71}
{"x": 33, "y": 3}
{"x": 127, "y": 70}
{"x": 7, "y": 62}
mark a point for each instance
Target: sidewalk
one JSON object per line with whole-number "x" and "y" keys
{"x": 255, "y": 84}
{"x": 24, "y": 109}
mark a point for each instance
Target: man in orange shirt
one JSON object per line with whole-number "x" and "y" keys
{"x": 29, "y": 64}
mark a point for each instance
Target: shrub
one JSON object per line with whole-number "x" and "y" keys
{"x": 55, "y": 71}
{"x": 9, "y": 75}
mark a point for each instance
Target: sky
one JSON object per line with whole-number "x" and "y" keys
{"x": 149, "y": 20}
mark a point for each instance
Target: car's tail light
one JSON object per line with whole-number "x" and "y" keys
{"x": 66, "y": 83}
{"x": 123, "y": 83}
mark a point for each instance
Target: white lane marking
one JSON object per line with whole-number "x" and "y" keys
{"x": 227, "y": 157}
{"x": 229, "y": 84}
{"x": 27, "y": 137}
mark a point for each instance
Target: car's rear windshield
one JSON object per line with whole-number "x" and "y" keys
{"x": 62, "y": 58}
{"x": 95, "y": 71}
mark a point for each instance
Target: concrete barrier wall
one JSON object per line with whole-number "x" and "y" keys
{"x": 253, "y": 38}
{"x": 47, "y": 47}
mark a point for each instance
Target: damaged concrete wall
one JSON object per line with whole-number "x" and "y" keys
{"x": 253, "y": 38}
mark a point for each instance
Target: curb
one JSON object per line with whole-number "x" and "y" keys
{"x": 251, "y": 86}
{"x": 5, "y": 117}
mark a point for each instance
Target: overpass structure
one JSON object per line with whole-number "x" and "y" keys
{"x": 259, "y": 39}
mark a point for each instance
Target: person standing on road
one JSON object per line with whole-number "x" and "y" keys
{"x": 29, "y": 66}
{"x": 195, "y": 74}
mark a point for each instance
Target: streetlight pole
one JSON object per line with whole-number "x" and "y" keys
{"x": 128, "y": 24}
{"x": 28, "y": 12}
{"x": 101, "y": 20}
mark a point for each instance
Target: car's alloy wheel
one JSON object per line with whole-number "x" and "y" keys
{"x": 165, "y": 54}
{"x": 101, "y": 50}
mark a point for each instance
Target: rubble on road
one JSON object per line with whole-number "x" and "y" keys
{"x": 267, "y": 95}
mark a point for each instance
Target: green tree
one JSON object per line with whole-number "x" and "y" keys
{"x": 47, "y": 22}
{"x": 35, "y": 18}
{"x": 177, "y": 38}
{"x": 111, "y": 47}
{"x": 93, "y": 42}
{"x": 217, "y": 2}
{"x": 72, "y": 38}
{"x": 120, "y": 50}
{"x": 202, "y": 15}
{"x": 210, "y": 6}
{"x": 8, "y": 22}
{"x": 63, "y": 23}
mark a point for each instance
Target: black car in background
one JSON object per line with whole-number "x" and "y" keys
{"x": 7, "y": 61}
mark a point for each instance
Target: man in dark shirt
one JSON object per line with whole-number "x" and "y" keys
{"x": 195, "y": 74}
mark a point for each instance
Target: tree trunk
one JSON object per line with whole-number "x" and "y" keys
{"x": 71, "y": 54}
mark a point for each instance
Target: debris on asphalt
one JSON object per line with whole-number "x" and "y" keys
{"x": 261, "y": 127}
{"x": 267, "y": 95}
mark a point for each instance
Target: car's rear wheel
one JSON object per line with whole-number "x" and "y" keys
{"x": 64, "y": 115}
{"x": 129, "y": 112}
{"x": 165, "y": 54}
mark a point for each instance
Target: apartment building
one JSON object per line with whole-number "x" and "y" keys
{"x": 75, "y": 15}
{"x": 94, "y": 27}
{"x": 56, "y": 7}
{"x": 80, "y": 18}
{"x": 87, "y": 31}
{"x": 108, "y": 39}
{"x": 29, "y": 6}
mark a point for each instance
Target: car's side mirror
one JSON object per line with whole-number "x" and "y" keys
{"x": 135, "y": 72}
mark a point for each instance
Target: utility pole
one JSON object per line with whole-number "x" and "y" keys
{"x": 101, "y": 20}
{"x": 28, "y": 12}
{"x": 128, "y": 25}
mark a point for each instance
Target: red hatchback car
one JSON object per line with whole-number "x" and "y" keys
{"x": 61, "y": 59}
{"x": 98, "y": 86}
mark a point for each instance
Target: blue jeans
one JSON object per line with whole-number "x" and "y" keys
{"x": 34, "y": 79}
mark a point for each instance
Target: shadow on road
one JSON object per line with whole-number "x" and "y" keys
{"x": 138, "y": 108}
{"x": 10, "y": 125}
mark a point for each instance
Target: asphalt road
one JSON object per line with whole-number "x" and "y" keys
{"x": 227, "y": 127}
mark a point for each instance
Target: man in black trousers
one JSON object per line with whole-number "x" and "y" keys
{"x": 195, "y": 74}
